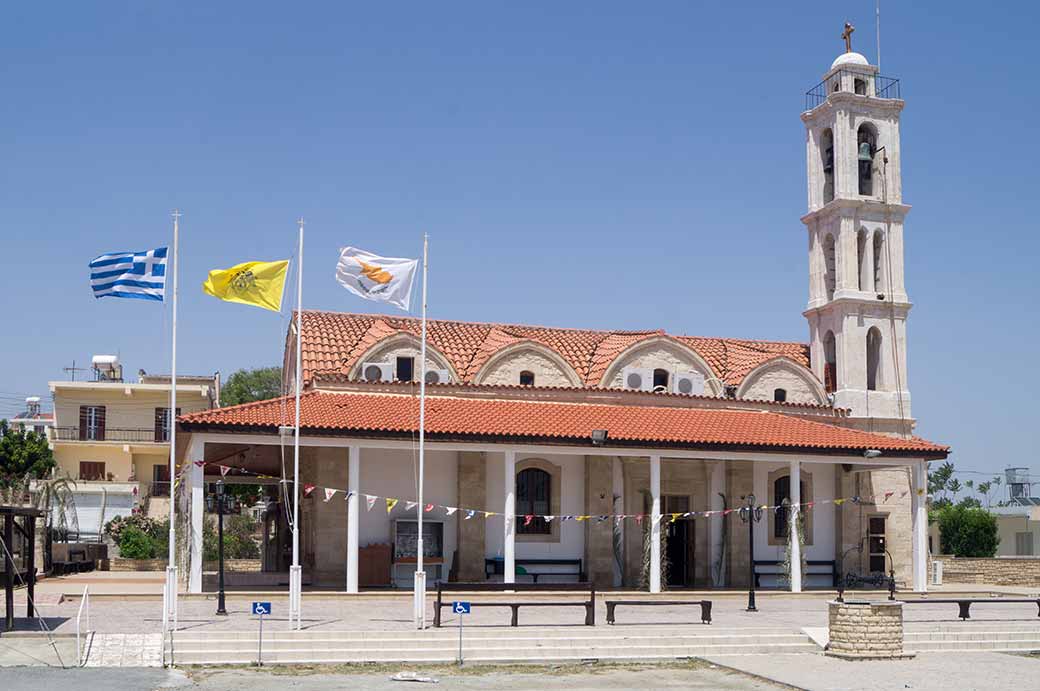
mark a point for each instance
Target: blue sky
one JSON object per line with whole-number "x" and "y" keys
{"x": 605, "y": 165}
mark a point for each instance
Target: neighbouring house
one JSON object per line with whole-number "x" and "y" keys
{"x": 111, "y": 437}
{"x": 33, "y": 419}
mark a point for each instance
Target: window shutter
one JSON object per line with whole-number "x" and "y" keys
{"x": 82, "y": 423}
{"x": 101, "y": 422}
{"x": 159, "y": 424}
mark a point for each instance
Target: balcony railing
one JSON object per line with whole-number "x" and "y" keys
{"x": 124, "y": 434}
{"x": 884, "y": 87}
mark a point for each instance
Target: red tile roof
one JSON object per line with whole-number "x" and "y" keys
{"x": 333, "y": 342}
{"x": 551, "y": 422}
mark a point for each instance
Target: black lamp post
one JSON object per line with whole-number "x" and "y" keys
{"x": 751, "y": 514}
{"x": 220, "y": 547}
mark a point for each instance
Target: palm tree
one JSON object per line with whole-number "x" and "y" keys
{"x": 954, "y": 485}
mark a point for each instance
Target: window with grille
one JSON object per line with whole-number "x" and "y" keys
{"x": 533, "y": 496}
{"x": 92, "y": 423}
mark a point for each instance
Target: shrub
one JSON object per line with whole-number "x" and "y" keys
{"x": 239, "y": 542}
{"x": 966, "y": 531}
{"x": 135, "y": 544}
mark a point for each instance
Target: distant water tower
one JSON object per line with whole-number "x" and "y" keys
{"x": 1017, "y": 480}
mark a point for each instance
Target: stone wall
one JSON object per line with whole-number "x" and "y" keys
{"x": 547, "y": 372}
{"x": 781, "y": 376}
{"x": 1015, "y": 571}
{"x": 865, "y": 630}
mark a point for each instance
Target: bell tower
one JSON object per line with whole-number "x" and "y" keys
{"x": 858, "y": 304}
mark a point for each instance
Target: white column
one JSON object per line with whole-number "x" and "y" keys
{"x": 919, "y": 511}
{"x": 717, "y": 470}
{"x": 197, "y": 482}
{"x": 655, "y": 524}
{"x": 353, "y": 529}
{"x": 792, "y": 533}
{"x": 509, "y": 519}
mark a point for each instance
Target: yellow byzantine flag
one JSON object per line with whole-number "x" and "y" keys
{"x": 251, "y": 283}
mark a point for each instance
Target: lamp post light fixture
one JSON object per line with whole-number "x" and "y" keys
{"x": 221, "y": 609}
{"x": 751, "y": 514}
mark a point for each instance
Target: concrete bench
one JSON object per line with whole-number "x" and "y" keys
{"x": 965, "y": 603}
{"x": 704, "y": 604}
{"x": 515, "y": 605}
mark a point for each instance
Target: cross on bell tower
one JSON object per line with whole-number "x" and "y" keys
{"x": 858, "y": 304}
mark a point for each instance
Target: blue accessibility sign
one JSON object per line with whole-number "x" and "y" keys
{"x": 460, "y": 607}
{"x": 261, "y": 608}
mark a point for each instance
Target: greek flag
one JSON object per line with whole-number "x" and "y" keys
{"x": 140, "y": 275}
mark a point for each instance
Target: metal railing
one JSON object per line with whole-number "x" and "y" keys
{"x": 84, "y": 608}
{"x": 884, "y": 87}
{"x": 124, "y": 434}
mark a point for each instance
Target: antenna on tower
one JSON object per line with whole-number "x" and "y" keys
{"x": 75, "y": 369}
{"x": 877, "y": 33}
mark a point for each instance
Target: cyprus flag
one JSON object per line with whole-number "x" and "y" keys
{"x": 384, "y": 279}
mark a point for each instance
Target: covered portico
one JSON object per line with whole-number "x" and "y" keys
{"x": 664, "y": 481}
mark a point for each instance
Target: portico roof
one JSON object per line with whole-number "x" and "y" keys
{"x": 501, "y": 420}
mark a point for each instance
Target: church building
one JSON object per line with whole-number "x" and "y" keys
{"x": 617, "y": 457}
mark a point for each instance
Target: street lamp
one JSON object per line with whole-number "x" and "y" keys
{"x": 220, "y": 547}
{"x": 751, "y": 514}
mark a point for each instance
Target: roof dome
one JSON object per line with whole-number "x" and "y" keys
{"x": 849, "y": 59}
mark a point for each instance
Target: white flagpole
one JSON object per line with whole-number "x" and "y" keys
{"x": 420, "y": 575}
{"x": 170, "y": 605}
{"x": 296, "y": 576}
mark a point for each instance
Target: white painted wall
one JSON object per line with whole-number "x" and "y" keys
{"x": 572, "y": 501}
{"x": 822, "y": 547}
{"x": 393, "y": 473}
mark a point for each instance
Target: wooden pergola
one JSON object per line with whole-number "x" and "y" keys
{"x": 18, "y": 556}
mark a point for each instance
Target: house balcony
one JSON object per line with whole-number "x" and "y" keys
{"x": 123, "y": 435}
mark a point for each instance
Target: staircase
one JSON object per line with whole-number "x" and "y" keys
{"x": 441, "y": 646}
{"x": 975, "y": 635}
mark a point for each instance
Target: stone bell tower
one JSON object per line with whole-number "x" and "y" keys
{"x": 857, "y": 299}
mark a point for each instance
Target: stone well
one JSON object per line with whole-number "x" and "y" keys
{"x": 864, "y": 630}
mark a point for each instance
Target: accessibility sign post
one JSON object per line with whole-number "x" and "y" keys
{"x": 460, "y": 608}
{"x": 260, "y": 609}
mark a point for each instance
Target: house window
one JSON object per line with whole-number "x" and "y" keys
{"x": 779, "y": 395}
{"x": 876, "y": 544}
{"x": 533, "y": 493}
{"x": 162, "y": 424}
{"x": 1024, "y": 544}
{"x": 92, "y": 423}
{"x": 405, "y": 368}
{"x": 526, "y": 378}
{"x": 91, "y": 470}
{"x": 660, "y": 380}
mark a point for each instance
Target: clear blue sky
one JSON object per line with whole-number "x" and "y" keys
{"x": 607, "y": 165}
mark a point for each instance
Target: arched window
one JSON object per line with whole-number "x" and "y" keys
{"x": 660, "y": 379}
{"x": 779, "y": 395}
{"x": 829, "y": 261}
{"x": 861, "y": 259}
{"x": 873, "y": 358}
{"x": 830, "y": 366}
{"x": 879, "y": 242}
{"x": 860, "y": 87}
{"x": 782, "y": 491}
{"x": 533, "y": 494}
{"x": 526, "y": 378}
{"x": 866, "y": 147}
{"x": 827, "y": 160}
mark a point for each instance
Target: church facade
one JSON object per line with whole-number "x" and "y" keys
{"x": 620, "y": 457}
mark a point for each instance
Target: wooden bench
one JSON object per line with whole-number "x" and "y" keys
{"x": 965, "y": 603}
{"x": 517, "y": 588}
{"x": 705, "y": 606}
{"x": 831, "y": 567}
{"x": 496, "y": 567}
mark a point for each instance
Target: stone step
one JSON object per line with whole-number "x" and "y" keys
{"x": 921, "y": 637}
{"x": 332, "y": 641}
{"x": 322, "y": 655}
{"x": 1009, "y": 646}
{"x": 481, "y": 633}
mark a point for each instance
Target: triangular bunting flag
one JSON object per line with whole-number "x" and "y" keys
{"x": 450, "y": 510}
{"x": 548, "y": 519}
{"x": 839, "y": 502}
{"x": 470, "y": 513}
{"x": 429, "y": 508}
{"x": 370, "y": 500}
{"x": 489, "y": 514}
{"x": 887, "y": 495}
{"x": 409, "y": 505}
{"x": 602, "y": 518}
{"x": 639, "y": 519}
{"x": 527, "y": 519}
{"x": 307, "y": 489}
{"x": 329, "y": 493}
{"x": 224, "y": 470}
{"x": 390, "y": 504}
{"x": 199, "y": 464}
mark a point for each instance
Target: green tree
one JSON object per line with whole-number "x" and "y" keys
{"x": 247, "y": 385}
{"x": 938, "y": 480}
{"x": 967, "y": 531}
{"x": 23, "y": 455}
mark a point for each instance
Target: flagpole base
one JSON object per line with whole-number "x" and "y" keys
{"x": 295, "y": 597}
{"x": 420, "y": 600}
{"x": 169, "y": 616}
